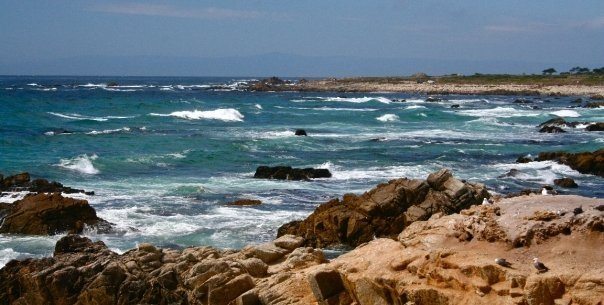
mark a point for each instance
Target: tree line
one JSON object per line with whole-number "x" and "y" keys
{"x": 574, "y": 70}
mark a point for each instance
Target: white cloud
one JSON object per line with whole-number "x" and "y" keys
{"x": 172, "y": 11}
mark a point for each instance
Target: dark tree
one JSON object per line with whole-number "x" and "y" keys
{"x": 549, "y": 71}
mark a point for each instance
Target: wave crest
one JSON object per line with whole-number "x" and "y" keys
{"x": 81, "y": 164}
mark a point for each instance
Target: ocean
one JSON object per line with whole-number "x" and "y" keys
{"x": 164, "y": 154}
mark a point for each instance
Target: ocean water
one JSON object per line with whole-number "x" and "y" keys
{"x": 163, "y": 155}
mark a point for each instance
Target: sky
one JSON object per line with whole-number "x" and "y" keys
{"x": 440, "y": 36}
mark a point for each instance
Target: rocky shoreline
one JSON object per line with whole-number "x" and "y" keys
{"x": 430, "y": 241}
{"x": 430, "y": 86}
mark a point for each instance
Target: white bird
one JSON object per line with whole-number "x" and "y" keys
{"x": 539, "y": 266}
{"x": 485, "y": 201}
{"x": 544, "y": 192}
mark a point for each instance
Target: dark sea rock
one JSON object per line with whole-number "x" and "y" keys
{"x": 583, "y": 162}
{"x": 22, "y": 182}
{"x": 553, "y": 122}
{"x": 511, "y": 173}
{"x": 522, "y": 101}
{"x": 566, "y": 182}
{"x": 385, "y": 210}
{"x": 49, "y": 214}
{"x": 289, "y": 173}
{"x": 594, "y": 105}
{"x": 455, "y": 106}
{"x": 597, "y": 97}
{"x": 524, "y": 159}
{"x": 300, "y": 132}
{"x": 244, "y": 202}
{"x": 595, "y": 127}
{"x": 577, "y": 101}
{"x": 551, "y": 129}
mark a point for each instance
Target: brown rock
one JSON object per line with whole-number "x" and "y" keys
{"x": 551, "y": 129}
{"x": 566, "y": 182}
{"x": 325, "y": 284}
{"x": 48, "y": 214}
{"x": 244, "y": 202}
{"x": 289, "y": 173}
{"x": 385, "y": 210}
{"x": 584, "y": 162}
{"x": 595, "y": 127}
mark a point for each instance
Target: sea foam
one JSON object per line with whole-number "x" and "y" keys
{"x": 81, "y": 164}
{"x": 387, "y": 118}
{"x": 566, "y": 113}
{"x": 227, "y": 115}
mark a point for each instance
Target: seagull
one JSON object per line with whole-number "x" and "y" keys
{"x": 485, "y": 201}
{"x": 544, "y": 192}
{"x": 502, "y": 262}
{"x": 539, "y": 266}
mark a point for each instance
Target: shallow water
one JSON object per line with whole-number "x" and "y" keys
{"x": 163, "y": 155}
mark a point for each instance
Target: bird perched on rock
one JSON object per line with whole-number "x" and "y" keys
{"x": 544, "y": 192}
{"x": 485, "y": 201}
{"x": 502, "y": 262}
{"x": 539, "y": 266}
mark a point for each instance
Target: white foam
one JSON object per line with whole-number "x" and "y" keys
{"x": 119, "y": 90}
{"x": 90, "y": 85}
{"x": 389, "y": 117}
{"x": 10, "y": 197}
{"x": 358, "y": 99}
{"x": 108, "y": 131}
{"x": 541, "y": 171}
{"x": 33, "y": 84}
{"x": 8, "y": 254}
{"x": 258, "y": 106}
{"x": 227, "y": 115}
{"x": 415, "y": 107}
{"x": 81, "y": 164}
{"x": 76, "y": 116}
{"x": 497, "y": 112}
{"x": 566, "y": 113}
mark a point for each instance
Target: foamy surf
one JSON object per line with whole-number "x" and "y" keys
{"x": 566, "y": 113}
{"x": 79, "y": 117}
{"x": 387, "y": 118}
{"x": 497, "y": 112}
{"x": 81, "y": 164}
{"x": 222, "y": 114}
{"x": 358, "y": 99}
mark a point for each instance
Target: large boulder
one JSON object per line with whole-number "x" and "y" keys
{"x": 583, "y": 162}
{"x": 289, "y": 173}
{"x": 48, "y": 214}
{"x": 595, "y": 127}
{"x": 385, "y": 210}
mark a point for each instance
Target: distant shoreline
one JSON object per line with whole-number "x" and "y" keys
{"x": 571, "y": 85}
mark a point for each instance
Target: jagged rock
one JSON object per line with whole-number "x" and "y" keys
{"x": 551, "y": 129}
{"x": 325, "y": 284}
{"x": 243, "y": 202}
{"x": 300, "y": 132}
{"x": 595, "y": 127}
{"x": 48, "y": 214}
{"x": 511, "y": 173}
{"x": 22, "y": 182}
{"x": 289, "y": 173}
{"x": 566, "y": 182}
{"x": 594, "y": 105}
{"x": 597, "y": 97}
{"x": 584, "y": 162}
{"x": 554, "y": 122}
{"x": 385, "y": 210}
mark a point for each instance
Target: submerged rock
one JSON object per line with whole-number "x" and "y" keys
{"x": 49, "y": 214}
{"x": 300, "y": 132}
{"x": 23, "y": 182}
{"x": 289, "y": 173}
{"x": 243, "y": 202}
{"x": 551, "y": 129}
{"x": 385, "y": 210}
{"x": 595, "y": 127}
{"x": 566, "y": 182}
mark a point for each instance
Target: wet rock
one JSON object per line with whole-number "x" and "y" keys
{"x": 551, "y": 129}
{"x": 22, "y": 182}
{"x": 595, "y": 127}
{"x": 49, "y": 214}
{"x": 455, "y": 106}
{"x": 244, "y": 202}
{"x": 289, "y": 173}
{"x": 300, "y": 132}
{"x": 524, "y": 159}
{"x": 385, "y": 210}
{"x": 584, "y": 162}
{"x": 566, "y": 182}
{"x": 594, "y": 105}
{"x": 522, "y": 101}
{"x": 511, "y": 173}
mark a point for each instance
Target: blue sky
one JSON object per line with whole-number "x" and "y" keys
{"x": 546, "y": 32}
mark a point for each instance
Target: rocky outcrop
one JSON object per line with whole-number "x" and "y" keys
{"x": 551, "y": 129}
{"x": 48, "y": 214}
{"x": 584, "y": 162}
{"x": 566, "y": 182}
{"x": 289, "y": 173}
{"x": 244, "y": 202}
{"x": 385, "y": 210}
{"x": 23, "y": 182}
{"x": 269, "y": 84}
{"x": 446, "y": 259}
{"x": 595, "y": 127}
{"x": 82, "y": 272}
{"x": 300, "y": 132}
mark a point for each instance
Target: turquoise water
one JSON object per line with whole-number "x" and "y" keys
{"x": 163, "y": 155}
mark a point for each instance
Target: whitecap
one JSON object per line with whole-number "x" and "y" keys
{"x": 566, "y": 113}
{"x": 108, "y": 131}
{"x": 76, "y": 116}
{"x": 415, "y": 107}
{"x": 10, "y": 197}
{"x": 81, "y": 164}
{"x": 358, "y": 99}
{"x": 389, "y": 117}
{"x": 227, "y": 115}
{"x": 258, "y": 106}
{"x": 8, "y": 254}
{"x": 498, "y": 112}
